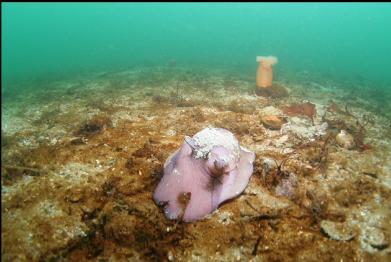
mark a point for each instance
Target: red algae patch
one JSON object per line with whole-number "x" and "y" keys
{"x": 307, "y": 109}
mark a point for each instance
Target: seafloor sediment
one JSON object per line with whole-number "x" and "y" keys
{"x": 81, "y": 158}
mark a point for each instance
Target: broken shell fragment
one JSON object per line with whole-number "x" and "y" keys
{"x": 336, "y": 230}
{"x": 375, "y": 237}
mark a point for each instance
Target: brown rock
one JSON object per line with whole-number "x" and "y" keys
{"x": 273, "y": 122}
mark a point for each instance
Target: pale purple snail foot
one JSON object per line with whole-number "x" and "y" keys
{"x": 207, "y": 170}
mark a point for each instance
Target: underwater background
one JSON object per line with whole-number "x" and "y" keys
{"x": 96, "y": 98}
{"x": 341, "y": 40}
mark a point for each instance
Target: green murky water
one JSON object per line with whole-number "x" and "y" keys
{"x": 343, "y": 41}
